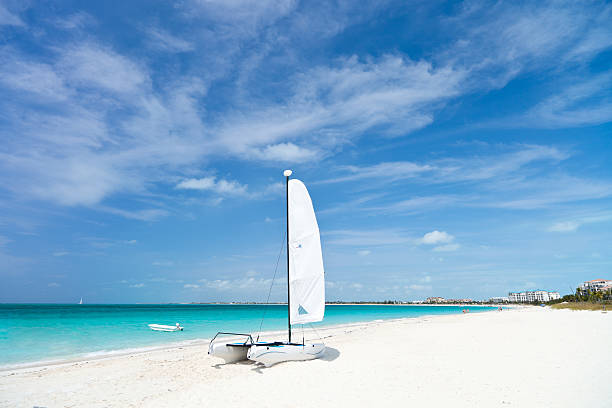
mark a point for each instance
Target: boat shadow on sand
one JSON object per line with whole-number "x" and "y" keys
{"x": 219, "y": 366}
{"x": 330, "y": 355}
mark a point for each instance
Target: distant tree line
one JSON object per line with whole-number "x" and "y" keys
{"x": 585, "y": 296}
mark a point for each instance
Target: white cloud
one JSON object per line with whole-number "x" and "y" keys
{"x": 162, "y": 263}
{"x": 519, "y": 179}
{"x": 205, "y": 183}
{"x": 366, "y": 238}
{"x": 4, "y": 240}
{"x": 137, "y": 285}
{"x": 8, "y": 18}
{"x": 597, "y": 39}
{"x": 273, "y": 189}
{"x": 100, "y": 242}
{"x": 439, "y": 237}
{"x": 446, "y": 248}
{"x": 163, "y": 40}
{"x": 61, "y": 253}
{"x": 501, "y": 40}
{"x": 436, "y": 237}
{"x": 582, "y": 103}
{"x": 564, "y": 226}
{"x": 191, "y": 286}
{"x": 151, "y": 214}
{"x": 31, "y": 77}
{"x": 74, "y": 153}
{"x": 75, "y": 21}
{"x": 248, "y": 283}
{"x": 121, "y": 129}
{"x": 364, "y": 252}
{"x": 286, "y": 152}
{"x": 495, "y": 166}
{"x": 230, "y": 187}
{"x": 218, "y": 284}
{"x": 331, "y": 105}
{"x": 415, "y": 204}
{"x": 331, "y": 284}
{"x": 590, "y": 217}
{"x": 91, "y": 64}
{"x": 356, "y": 286}
{"x": 53, "y": 285}
{"x": 419, "y": 287}
{"x": 542, "y": 192}
{"x": 386, "y": 170}
{"x": 446, "y": 170}
{"x": 221, "y": 186}
{"x": 243, "y": 14}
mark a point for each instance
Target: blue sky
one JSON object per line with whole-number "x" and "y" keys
{"x": 457, "y": 149}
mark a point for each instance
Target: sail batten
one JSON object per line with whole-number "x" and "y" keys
{"x": 306, "y": 274}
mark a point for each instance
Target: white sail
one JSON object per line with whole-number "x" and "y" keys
{"x": 306, "y": 276}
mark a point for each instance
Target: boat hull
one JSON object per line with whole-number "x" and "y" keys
{"x": 162, "y": 327}
{"x": 274, "y": 354}
{"x": 229, "y": 353}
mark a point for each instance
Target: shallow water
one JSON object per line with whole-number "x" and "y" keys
{"x": 44, "y": 332}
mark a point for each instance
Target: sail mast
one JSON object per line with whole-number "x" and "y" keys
{"x": 287, "y": 173}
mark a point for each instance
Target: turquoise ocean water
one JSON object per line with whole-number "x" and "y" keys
{"x": 32, "y": 333}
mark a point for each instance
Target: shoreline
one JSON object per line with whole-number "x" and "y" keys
{"x": 527, "y": 356}
{"x": 112, "y": 354}
{"x": 177, "y": 344}
{"x": 270, "y": 304}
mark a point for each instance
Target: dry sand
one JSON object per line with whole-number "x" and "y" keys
{"x": 527, "y": 357}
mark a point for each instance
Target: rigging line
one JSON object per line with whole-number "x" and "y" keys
{"x": 271, "y": 285}
{"x": 315, "y": 330}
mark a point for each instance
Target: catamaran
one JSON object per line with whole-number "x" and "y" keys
{"x": 305, "y": 288}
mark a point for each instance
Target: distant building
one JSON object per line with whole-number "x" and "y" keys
{"x": 597, "y": 285}
{"x": 532, "y": 296}
{"x": 435, "y": 300}
{"x": 458, "y": 301}
{"x": 499, "y": 299}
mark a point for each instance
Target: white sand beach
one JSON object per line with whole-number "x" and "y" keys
{"x": 526, "y": 357}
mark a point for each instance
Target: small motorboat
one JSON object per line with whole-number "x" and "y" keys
{"x": 163, "y": 327}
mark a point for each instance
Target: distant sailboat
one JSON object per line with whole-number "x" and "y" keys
{"x": 305, "y": 291}
{"x": 81, "y": 301}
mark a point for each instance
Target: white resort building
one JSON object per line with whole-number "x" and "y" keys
{"x": 597, "y": 285}
{"x": 532, "y": 296}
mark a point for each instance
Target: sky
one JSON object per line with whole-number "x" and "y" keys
{"x": 455, "y": 149}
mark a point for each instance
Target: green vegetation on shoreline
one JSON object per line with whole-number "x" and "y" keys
{"x": 584, "y": 300}
{"x": 583, "y": 305}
